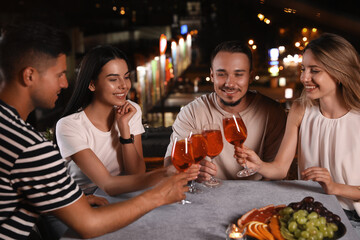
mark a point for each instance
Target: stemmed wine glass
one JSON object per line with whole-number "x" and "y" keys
{"x": 182, "y": 157}
{"x": 212, "y": 134}
{"x": 235, "y": 133}
{"x": 200, "y": 148}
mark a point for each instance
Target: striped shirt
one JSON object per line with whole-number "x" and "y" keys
{"x": 33, "y": 177}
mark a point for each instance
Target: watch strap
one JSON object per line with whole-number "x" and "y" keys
{"x": 127, "y": 140}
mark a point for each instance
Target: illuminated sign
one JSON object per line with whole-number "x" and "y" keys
{"x": 184, "y": 29}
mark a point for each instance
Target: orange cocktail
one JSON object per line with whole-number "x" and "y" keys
{"x": 215, "y": 143}
{"x": 200, "y": 147}
{"x": 235, "y": 130}
{"x": 182, "y": 155}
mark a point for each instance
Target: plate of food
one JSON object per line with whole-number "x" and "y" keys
{"x": 307, "y": 219}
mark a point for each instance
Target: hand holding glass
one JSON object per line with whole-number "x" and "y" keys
{"x": 182, "y": 156}
{"x": 200, "y": 148}
{"x": 213, "y": 136}
{"x": 236, "y": 133}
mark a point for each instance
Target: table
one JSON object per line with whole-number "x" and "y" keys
{"x": 211, "y": 211}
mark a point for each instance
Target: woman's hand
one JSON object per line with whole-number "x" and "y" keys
{"x": 320, "y": 175}
{"x": 192, "y": 172}
{"x": 244, "y": 154}
{"x": 123, "y": 114}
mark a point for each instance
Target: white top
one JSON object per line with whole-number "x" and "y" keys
{"x": 76, "y": 132}
{"x": 264, "y": 118}
{"x": 333, "y": 144}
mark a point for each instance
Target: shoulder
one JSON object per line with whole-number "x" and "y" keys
{"x": 266, "y": 101}
{"x": 265, "y": 105}
{"x": 75, "y": 117}
{"x": 74, "y": 120}
{"x": 200, "y": 102}
{"x": 137, "y": 106}
{"x": 296, "y": 112}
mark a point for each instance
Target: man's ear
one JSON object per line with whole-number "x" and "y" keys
{"x": 211, "y": 75}
{"x": 92, "y": 86}
{"x": 28, "y": 76}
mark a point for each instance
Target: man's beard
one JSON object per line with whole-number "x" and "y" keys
{"x": 231, "y": 104}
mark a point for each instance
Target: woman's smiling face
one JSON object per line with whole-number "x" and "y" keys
{"x": 113, "y": 83}
{"x": 317, "y": 82}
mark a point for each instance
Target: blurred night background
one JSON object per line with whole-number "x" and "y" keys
{"x": 163, "y": 82}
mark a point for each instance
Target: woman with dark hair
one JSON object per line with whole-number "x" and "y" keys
{"x": 100, "y": 131}
{"x": 321, "y": 125}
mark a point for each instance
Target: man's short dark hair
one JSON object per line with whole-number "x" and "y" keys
{"x": 29, "y": 44}
{"x": 232, "y": 47}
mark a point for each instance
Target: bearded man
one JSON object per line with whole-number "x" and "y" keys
{"x": 231, "y": 72}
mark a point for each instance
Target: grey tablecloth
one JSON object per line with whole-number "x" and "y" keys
{"x": 211, "y": 211}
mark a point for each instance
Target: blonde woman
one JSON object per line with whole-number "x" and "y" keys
{"x": 322, "y": 125}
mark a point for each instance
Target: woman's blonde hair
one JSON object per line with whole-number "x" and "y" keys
{"x": 341, "y": 61}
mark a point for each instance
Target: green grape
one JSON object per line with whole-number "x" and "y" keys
{"x": 303, "y": 212}
{"x": 320, "y": 235}
{"x": 317, "y": 222}
{"x": 302, "y": 225}
{"x": 288, "y": 210}
{"x": 323, "y": 229}
{"x": 301, "y": 220}
{"x": 313, "y": 231}
{"x": 292, "y": 226}
{"x": 310, "y": 224}
{"x": 330, "y": 233}
{"x": 291, "y": 219}
{"x": 333, "y": 226}
{"x": 281, "y": 212}
{"x": 305, "y": 234}
{"x": 326, "y": 233}
{"x": 313, "y": 215}
{"x": 297, "y": 233}
{"x": 322, "y": 221}
{"x": 286, "y": 218}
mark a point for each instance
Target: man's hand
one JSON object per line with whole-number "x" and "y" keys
{"x": 207, "y": 170}
{"x": 171, "y": 189}
{"x": 98, "y": 201}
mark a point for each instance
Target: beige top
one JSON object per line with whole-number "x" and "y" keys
{"x": 333, "y": 144}
{"x": 264, "y": 118}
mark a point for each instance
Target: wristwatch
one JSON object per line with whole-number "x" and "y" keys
{"x": 127, "y": 140}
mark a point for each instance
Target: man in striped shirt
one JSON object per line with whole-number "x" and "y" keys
{"x": 33, "y": 178}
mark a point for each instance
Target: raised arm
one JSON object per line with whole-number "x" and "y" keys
{"x": 132, "y": 154}
{"x": 93, "y": 168}
{"x": 91, "y": 222}
{"x": 280, "y": 166}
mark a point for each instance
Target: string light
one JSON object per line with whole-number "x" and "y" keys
{"x": 122, "y": 11}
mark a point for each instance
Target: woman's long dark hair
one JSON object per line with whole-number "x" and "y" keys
{"x": 89, "y": 70}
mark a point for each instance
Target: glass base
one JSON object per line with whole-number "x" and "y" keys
{"x": 193, "y": 189}
{"x": 245, "y": 172}
{"x": 183, "y": 202}
{"x": 212, "y": 183}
